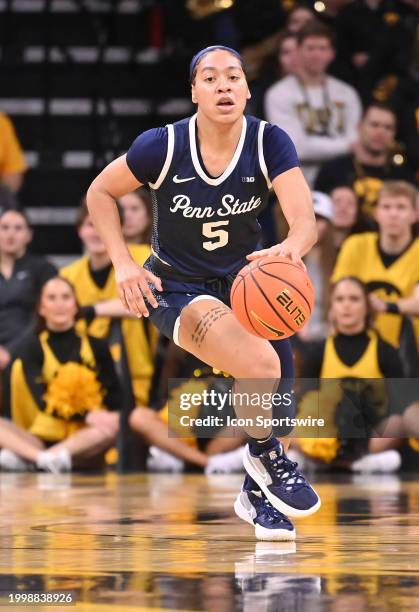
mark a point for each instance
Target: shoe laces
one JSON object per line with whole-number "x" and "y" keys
{"x": 274, "y": 515}
{"x": 286, "y": 471}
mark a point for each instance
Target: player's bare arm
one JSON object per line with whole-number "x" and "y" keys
{"x": 294, "y": 196}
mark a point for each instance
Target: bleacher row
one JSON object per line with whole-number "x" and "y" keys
{"x": 80, "y": 82}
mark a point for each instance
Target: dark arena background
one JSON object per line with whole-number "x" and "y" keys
{"x": 108, "y": 500}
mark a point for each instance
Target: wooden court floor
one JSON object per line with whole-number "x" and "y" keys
{"x": 171, "y": 542}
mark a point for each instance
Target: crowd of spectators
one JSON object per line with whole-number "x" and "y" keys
{"x": 345, "y": 97}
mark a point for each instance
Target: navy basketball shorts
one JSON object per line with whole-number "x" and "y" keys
{"x": 166, "y": 317}
{"x": 174, "y": 298}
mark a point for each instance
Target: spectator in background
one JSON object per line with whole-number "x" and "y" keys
{"x": 402, "y": 94}
{"x": 387, "y": 262}
{"x": 298, "y": 17}
{"x": 375, "y": 39}
{"x": 320, "y": 261}
{"x": 347, "y": 218}
{"x": 169, "y": 453}
{"x": 21, "y": 278}
{"x": 183, "y": 372}
{"x": 12, "y": 161}
{"x": 131, "y": 339}
{"x": 365, "y": 430}
{"x": 287, "y": 54}
{"x": 137, "y": 215}
{"x": 371, "y": 161}
{"x": 319, "y": 112}
{"x": 274, "y": 57}
{"x": 282, "y": 62}
{"x": 48, "y": 431}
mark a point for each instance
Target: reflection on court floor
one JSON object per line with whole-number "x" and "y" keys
{"x": 163, "y": 542}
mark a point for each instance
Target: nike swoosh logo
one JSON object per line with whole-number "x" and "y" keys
{"x": 261, "y": 470}
{"x": 176, "y": 179}
{"x": 278, "y": 332}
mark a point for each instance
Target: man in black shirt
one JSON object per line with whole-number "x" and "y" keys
{"x": 371, "y": 162}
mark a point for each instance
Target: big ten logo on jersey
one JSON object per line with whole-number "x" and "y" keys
{"x": 286, "y": 301}
{"x": 248, "y": 179}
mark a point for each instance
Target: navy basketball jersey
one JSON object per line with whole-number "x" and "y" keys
{"x": 204, "y": 225}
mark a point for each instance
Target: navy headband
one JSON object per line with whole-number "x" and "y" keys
{"x": 198, "y": 56}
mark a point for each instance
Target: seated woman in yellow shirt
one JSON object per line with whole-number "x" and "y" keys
{"x": 93, "y": 278}
{"x": 64, "y": 393}
{"x": 357, "y": 409}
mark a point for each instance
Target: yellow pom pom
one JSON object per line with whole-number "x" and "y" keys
{"x": 73, "y": 391}
{"x": 322, "y": 449}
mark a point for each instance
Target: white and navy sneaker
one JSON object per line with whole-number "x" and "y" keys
{"x": 281, "y": 482}
{"x": 253, "y": 507}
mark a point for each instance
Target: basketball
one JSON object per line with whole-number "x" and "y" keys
{"x": 272, "y": 297}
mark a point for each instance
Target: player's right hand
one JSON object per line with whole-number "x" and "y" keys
{"x": 133, "y": 286}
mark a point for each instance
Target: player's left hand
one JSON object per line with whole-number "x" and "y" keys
{"x": 377, "y": 304}
{"x": 284, "y": 249}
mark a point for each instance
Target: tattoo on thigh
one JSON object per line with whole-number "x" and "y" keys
{"x": 206, "y": 322}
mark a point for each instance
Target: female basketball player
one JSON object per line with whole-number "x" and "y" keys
{"x": 210, "y": 175}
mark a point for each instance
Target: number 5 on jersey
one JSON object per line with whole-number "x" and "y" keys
{"x": 209, "y": 231}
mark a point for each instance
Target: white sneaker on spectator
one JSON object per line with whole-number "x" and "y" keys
{"x": 305, "y": 464}
{"x": 57, "y": 463}
{"x": 225, "y": 463}
{"x": 161, "y": 461}
{"x": 11, "y": 462}
{"x": 384, "y": 463}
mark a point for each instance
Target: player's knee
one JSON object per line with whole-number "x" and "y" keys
{"x": 268, "y": 367}
{"x": 264, "y": 363}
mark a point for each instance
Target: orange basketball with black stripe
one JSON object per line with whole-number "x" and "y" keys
{"x": 272, "y": 297}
